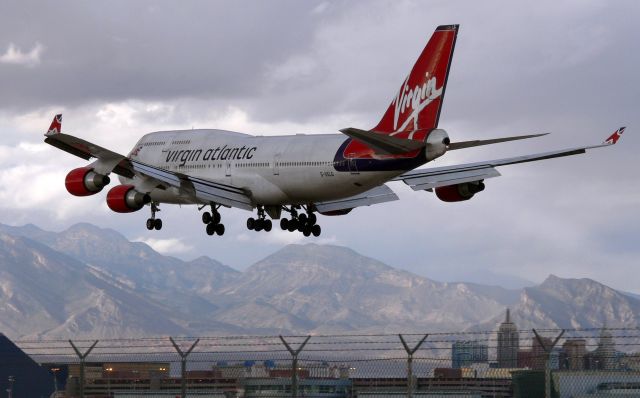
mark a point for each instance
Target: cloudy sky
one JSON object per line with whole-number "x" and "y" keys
{"x": 119, "y": 69}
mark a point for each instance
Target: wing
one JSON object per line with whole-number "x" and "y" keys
{"x": 450, "y": 175}
{"x": 379, "y": 194}
{"x": 109, "y": 161}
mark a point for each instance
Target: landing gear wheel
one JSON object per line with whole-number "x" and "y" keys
{"x": 211, "y": 229}
{"x": 251, "y": 223}
{"x": 306, "y": 231}
{"x": 293, "y": 225}
{"x": 316, "y": 230}
{"x": 302, "y": 218}
{"x": 215, "y": 218}
{"x": 267, "y": 225}
{"x": 220, "y": 229}
{"x": 206, "y": 217}
{"x": 149, "y": 224}
{"x": 259, "y": 225}
{"x": 312, "y": 218}
{"x": 157, "y": 224}
{"x": 284, "y": 224}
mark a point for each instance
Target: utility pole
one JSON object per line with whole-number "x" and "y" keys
{"x": 410, "y": 352}
{"x": 183, "y": 363}
{"x": 11, "y": 379}
{"x": 82, "y": 357}
{"x": 547, "y": 369}
{"x": 294, "y": 364}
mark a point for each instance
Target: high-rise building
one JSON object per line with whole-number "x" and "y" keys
{"x": 465, "y": 353}
{"x": 508, "y": 343}
{"x": 606, "y": 351}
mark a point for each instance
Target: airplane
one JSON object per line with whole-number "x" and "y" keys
{"x": 299, "y": 175}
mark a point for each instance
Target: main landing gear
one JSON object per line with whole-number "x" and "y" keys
{"x": 153, "y": 222}
{"x": 305, "y": 223}
{"x": 212, "y": 221}
{"x": 262, "y": 223}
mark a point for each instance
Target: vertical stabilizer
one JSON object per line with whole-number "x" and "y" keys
{"x": 417, "y": 104}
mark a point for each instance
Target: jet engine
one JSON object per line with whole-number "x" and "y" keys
{"x": 459, "y": 192}
{"x": 125, "y": 199}
{"x": 84, "y": 181}
{"x": 437, "y": 143}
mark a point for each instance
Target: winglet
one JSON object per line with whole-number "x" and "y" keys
{"x": 56, "y": 125}
{"x": 614, "y": 137}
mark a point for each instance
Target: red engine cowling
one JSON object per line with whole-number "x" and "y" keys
{"x": 84, "y": 182}
{"x": 459, "y": 192}
{"x": 125, "y": 199}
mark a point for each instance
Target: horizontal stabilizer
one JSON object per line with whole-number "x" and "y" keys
{"x": 383, "y": 144}
{"x": 468, "y": 144}
{"x": 379, "y": 194}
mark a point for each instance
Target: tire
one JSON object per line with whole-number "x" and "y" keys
{"x": 259, "y": 225}
{"x": 211, "y": 229}
{"x": 220, "y": 229}
{"x": 284, "y": 224}
{"x": 267, "y": 225}
{"x": 306, "y": 231}
{"x": 215, "y": 218}
{"x": 302, "y": 218}
{"x": 316, "y": 230}
{"x": 312, "y": 219}
{"x": 157, "y": 224}
{"x": 150, "y": 223}
{"x": 293, "y": 225}
{"x": 251, "y": 223}
{"x": 206, "y": 217}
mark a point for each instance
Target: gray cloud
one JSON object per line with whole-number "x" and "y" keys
{"x": 121, "y": 69}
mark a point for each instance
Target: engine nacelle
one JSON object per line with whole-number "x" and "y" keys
{"x": 84, "y": 182}
{"x": 437, "y": 143}
{"x": 125, "y": 199}
{"x": 459, "y": 192}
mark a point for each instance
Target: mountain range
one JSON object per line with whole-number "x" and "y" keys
{"x": 92, "y": 282}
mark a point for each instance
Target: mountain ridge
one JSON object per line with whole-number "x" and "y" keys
{"x": 86, "y": 280}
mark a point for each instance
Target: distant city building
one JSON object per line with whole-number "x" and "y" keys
{"x": 573, "y": 356}
{"x": 465, "y": 353}
{"x": 538, "y": 354}
{"x": 508, "y": 343}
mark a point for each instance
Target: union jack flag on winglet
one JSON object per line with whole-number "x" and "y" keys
{"x": 56, "y": 125}
{"x": 615, "y": 136}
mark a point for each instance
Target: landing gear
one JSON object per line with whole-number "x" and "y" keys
{"x": 262, "y": 223}
{"x": 212, "y": 222}
{"x": 153, "y": 222}
{"x": 305, "y": 223}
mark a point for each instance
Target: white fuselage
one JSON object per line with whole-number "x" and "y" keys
{"x": 273, "y": 170}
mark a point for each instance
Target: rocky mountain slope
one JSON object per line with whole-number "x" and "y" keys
{"x": 88, "y": 281}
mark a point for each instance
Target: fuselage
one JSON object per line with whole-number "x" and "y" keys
{"x": 273, "y": 170}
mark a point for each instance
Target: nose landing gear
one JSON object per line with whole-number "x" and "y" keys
{"x": 153, "y": 222}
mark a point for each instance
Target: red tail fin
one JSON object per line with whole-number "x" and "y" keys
{"x": 417, "y": 105}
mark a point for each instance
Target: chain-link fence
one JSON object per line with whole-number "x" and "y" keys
{"x": 507, "y": 363}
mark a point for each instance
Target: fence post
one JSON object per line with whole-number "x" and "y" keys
{"x": 410, "y": 352}
{"x": 183, "y": 363}
{"x": 82, "y": 357}
{"x": 547, "y": 367}
{"x": 294, "y": 364}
